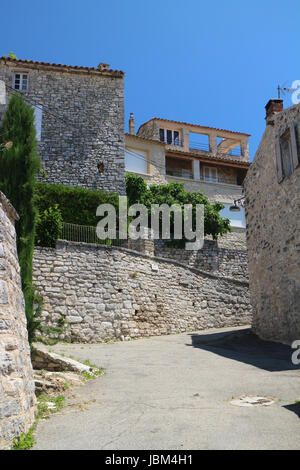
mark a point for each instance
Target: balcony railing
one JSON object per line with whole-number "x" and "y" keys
{"x": 185, "y": 174}
{"x": 193, "y": 145}
{"x": 179, "y": 173}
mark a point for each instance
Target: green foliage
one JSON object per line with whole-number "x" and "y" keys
{"x": 49, "y": 227}
{"x": 43, "y": 409}
{"x": 77, "y": 205}
{"x": 136, "y": 188}
{"x": 19, "y": 164}
{"x": 174, "y": 193}
{"x": 25, "y": 441}
{"x": 11, "y": 55}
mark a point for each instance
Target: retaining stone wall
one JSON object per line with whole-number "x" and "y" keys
{"x": 17, "y": 398}
{"x": 108, "y": 292}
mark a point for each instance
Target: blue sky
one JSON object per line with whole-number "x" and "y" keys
{"x": 213, "y": 63}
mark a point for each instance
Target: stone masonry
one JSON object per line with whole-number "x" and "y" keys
{"x": 101, "y": 292}
{"x": 228, "y": 261}
{"x": 82, "y": 121}
{"x": 273, "y": 229}
{"x": 17, "y": 398}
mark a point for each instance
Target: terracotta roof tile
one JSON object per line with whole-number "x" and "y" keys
{"x": 76, "y": 68}
{"x": 193, "y": 125}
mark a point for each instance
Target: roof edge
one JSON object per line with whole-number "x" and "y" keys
{"x": 193, "y": 125}
{"x": 63, "y": 67}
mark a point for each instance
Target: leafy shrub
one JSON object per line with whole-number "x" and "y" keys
{"x": 174, "y": 193}
{"x": 77, "y": 205}
{"x": 49, "y": 227}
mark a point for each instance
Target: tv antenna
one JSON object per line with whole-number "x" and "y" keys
{"x": 284, "y": 90}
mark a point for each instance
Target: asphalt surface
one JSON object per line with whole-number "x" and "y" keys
{"x": 174, "y": 392}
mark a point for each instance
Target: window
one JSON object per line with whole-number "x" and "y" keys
{"x": 169, "y": 137}
{"x": 21, "y": 81}
{"x": 179, "y": 167}
{"x": 237, "y": 219}
{"x": 2, "y": 92}
{"x": 287, "y": 158}
{"x": 210, "y": 174}
{"x": 38, "y": 114}
{"x": 136, "y": 161}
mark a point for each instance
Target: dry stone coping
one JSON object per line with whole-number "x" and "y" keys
{"x": 44, "y": 359}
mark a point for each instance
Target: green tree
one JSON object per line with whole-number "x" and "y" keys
{"x": 19, "y": 164}
{"x": 174, "y": 193}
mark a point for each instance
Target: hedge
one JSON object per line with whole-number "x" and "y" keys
{"x": 77, "y": 205}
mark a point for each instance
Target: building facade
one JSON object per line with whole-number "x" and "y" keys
{"x": 214, "y": 161}
{"x": 272, "y": 205}
{"x": 79, "y": 117}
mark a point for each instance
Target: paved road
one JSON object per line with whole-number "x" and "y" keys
{"x": 173, "y": 392}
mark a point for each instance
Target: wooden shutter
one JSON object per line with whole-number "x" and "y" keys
{"x": 278, "y": 161}
{"x": 295, "y": 158}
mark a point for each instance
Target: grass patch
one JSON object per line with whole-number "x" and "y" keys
{"x": 26, "y": 441}
{"x": 44, "y": 411}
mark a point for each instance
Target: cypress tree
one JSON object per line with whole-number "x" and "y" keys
{"x": 19, "y": 164}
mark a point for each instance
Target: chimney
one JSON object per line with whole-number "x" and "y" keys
{"x": 131, "y": 125}
{"x": 273, "y": 106}
{"x": 102, "y": 66}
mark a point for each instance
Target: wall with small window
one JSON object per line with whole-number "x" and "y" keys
{"x": 20, "y": 81}
{"x": 79, "y": 121}
{"x": 146, "y": 158}
{"x": 272, "y": 207}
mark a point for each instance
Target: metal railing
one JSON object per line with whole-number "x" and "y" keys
{"x": 87, "y": 234}
{"x": 193, "y": 145}
{"x": 199, "y": 146}
{"x": 177, "y": 173}
{"x": 180, "y": 173}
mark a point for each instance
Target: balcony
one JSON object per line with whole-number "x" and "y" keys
{"x": 203, "y": 147}
{"x": 188, "y": 174}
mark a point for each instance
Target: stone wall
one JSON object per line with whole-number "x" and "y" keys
{"x": 82, "y": 122}
{"x": 17, "y": 398}
{"x": 228, "y": 262}
{"x": 273, "y": 238}
{"x": 107, "y": 292}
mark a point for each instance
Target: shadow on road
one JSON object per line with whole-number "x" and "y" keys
{"x": 244, "y": 346}
{"x": 295, "y": 408}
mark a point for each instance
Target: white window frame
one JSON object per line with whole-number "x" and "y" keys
{"x": 21, "y": 84}
{"x": 173, "y": 138}
{"x": 210, "y": 178}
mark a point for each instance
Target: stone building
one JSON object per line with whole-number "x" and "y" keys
{"x": 79, "y": 116}
{"x": 17, "y": 397}
{"x": 214, "y": 161}
{"x": 272, "y": 205}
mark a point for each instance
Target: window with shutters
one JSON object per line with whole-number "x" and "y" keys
{"x": 287, "y": 154}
